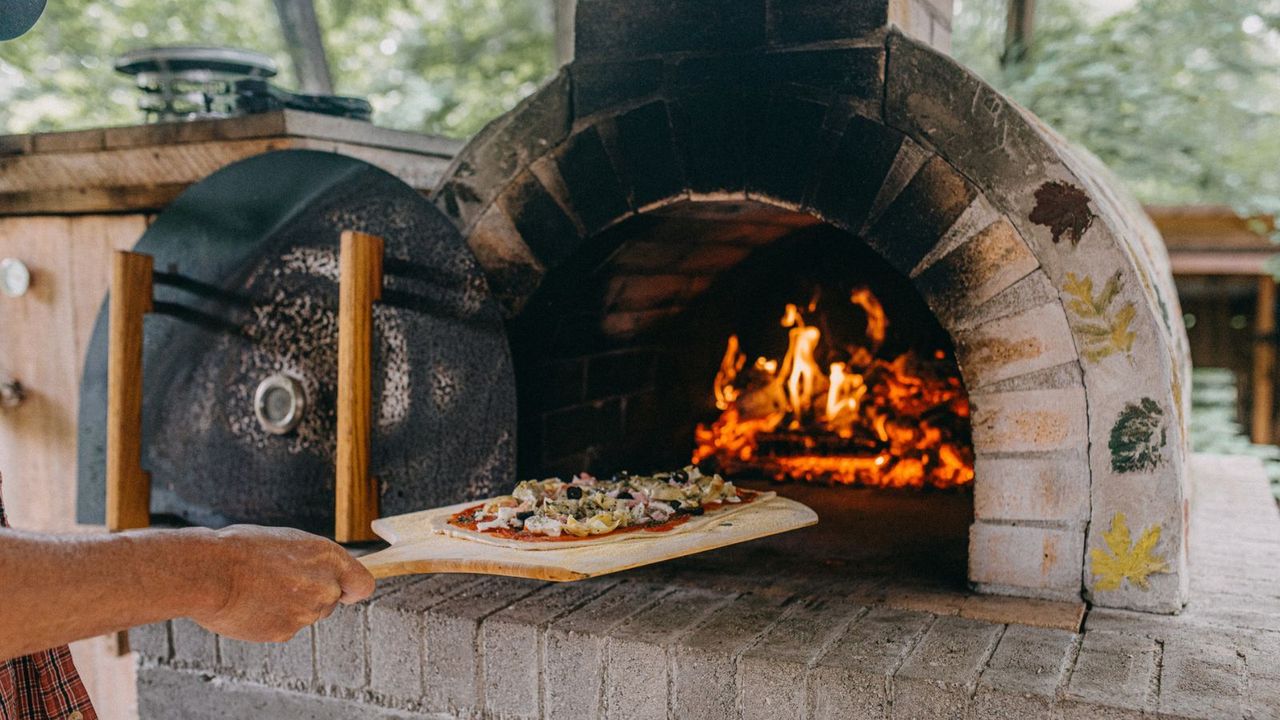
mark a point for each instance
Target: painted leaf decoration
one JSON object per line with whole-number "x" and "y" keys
{"x": 1104, "y": 330}
{"x": 1138, "y": 437}
{"x": 1064, "y": 209}
{"x": 1124, "y": 559}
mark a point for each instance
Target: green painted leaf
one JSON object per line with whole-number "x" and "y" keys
{"x": 1138, "y": 437}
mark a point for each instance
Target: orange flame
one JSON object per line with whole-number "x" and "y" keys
{"x": 866, "y": 420}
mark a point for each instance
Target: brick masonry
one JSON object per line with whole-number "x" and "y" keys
{"x": 1049, "y": 280}
{"x": 720, "y": 643}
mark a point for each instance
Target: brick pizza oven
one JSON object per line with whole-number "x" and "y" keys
{"x": 796, "y": 241}
{"x": 697, "y": 158}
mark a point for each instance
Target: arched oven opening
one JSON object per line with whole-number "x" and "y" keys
{"x": 772, "y": 347}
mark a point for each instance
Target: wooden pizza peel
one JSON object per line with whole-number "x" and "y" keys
{"x": 417, "y": 549}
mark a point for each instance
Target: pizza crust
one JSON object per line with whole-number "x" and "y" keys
{"x": 440, "y": 525}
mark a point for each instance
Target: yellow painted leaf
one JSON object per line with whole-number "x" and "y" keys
{"x": 1124, "y": 559}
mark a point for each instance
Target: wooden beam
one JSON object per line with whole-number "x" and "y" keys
{"x": 1019, "y": 30}
{"x": 305, "y": 41}
{"x": 564, "y": 18}
{"x": 360, "y": 284}
{"x": 1264, "y": 363}
{"x": 128, "y": 485}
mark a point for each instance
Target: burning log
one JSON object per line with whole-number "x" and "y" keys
{"x": 865, "y": 419}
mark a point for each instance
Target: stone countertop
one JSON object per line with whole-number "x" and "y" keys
{"x": 728, "y": 638}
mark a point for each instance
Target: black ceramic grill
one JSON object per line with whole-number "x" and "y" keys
{"x": 240, "y": 358}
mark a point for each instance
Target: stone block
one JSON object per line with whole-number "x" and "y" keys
{"x": 641, "y": 256}
{"x": 1022, "y": 677}
{"x": 714, "y": 131}
{"x": 595, "y": 192}
{"x": 288, "y": 662}
{"x": 638, "y": 293}
{"x": 503, "y": 148}
{"x": 853, "y": 176}
{"x": 638, "y": 676}
{"x": 710, "y": 258}
{"x": 395, "y": 631}
{"x": 164, "y": 694}
{"x": 552, "y": 384}
{"x": 790, "y": 144}
{"x": 1029, "y": 421}
{"x": 510, "y": 268}
{"x": 774, "y": 671}
{"x": 933, "y": 600}
{"x": 576, "y": 650}
{"x": 606, "y": 29}
{"x": 193, "y": 645}
{"x": 979, "y": 269}
{"x": 342, "y": 648}
{"x": 543, "y": 224}
{"x": 936, "y": 101}
{"x": 452, "y": 667}
{"x": 1031, "y": 612}
{"x": 1053, "y": 488}
{"x": 575, "y": 429}
{"x": 939, "y": 676}
{"x": 919, "y": 216}
{"x": 1115, "y": 670}
{"x": 598, "y": 86}
{"x": 854, "y": 74}
{"x": 1016, "y": 345}
{"x": 511, "y": 641}
{"x": 1031, "y": 291}
{"x": 151, "y": 641}
{"x": 1038, "y": 558}
{"x": 806, "y": 21}
{"x": 852, "y": 679}
{"x": 1201, "y": 679}
{"x": 705, "y": 661}
{"x": 619, "y": 373}
{"x": 647, "y": 155}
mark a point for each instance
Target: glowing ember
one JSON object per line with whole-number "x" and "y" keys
{"x": 900, "y": 422}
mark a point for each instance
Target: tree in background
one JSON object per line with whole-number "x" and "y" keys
{"x": 438, "y": 66}
{"x": 1180, "y": 97}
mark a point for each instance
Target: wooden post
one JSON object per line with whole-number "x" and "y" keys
{"x": 1020, "y": 23}
{"x": 128, "y": 485}
{"x": 1264, "y": 362}
{"x": 304, "y": 40}
{"x": 360, "y": 284}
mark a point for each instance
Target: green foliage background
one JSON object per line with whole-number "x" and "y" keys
{"x": 439, "y": 66}
{"x": 1180, "y": 97}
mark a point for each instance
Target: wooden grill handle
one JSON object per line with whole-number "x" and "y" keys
{"x": 128, "y": 485}
{"x": 359, "y": 285}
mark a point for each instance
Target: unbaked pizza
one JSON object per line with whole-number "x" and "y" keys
{"x": 586, "y": 510}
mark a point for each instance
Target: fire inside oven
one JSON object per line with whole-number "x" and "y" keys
{"x": 836, "y": 406}
{"x": 783, "y": 349}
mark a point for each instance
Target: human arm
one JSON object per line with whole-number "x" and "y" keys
{"x": 245, "y": 582}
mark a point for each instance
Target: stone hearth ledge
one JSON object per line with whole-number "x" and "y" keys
{"x": 708, "y": 639}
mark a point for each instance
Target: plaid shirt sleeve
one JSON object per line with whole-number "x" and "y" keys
{"x": 44, "y": 685}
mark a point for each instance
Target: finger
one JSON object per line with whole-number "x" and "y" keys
{"x": 355, "y": 580}
{"x": 327, "y": 611}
